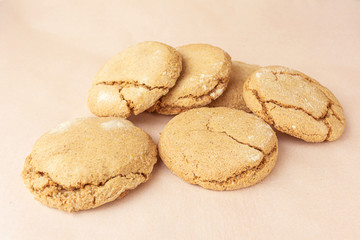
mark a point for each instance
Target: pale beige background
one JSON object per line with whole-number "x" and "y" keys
{"x": 50, "y": 51}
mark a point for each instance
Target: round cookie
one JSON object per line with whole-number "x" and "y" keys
{"x": 294, "y": 103}
{"x": 232, "y": 97}
{"x": 205, "y": 75}
{"x": 85, "y": 163}
{"x": 219, "y": 148}
{"x": 134, "y": 80}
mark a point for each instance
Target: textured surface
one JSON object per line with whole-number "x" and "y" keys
{"x": 50, "y": 51}
{"x": 205, "y": 75}
{"x": 233, "y": 95}
{"x": 295, "y": 104}
{"x": 219, "y": 148}
{"x": 134, "y": 79}
{"x": 87, "y": 162}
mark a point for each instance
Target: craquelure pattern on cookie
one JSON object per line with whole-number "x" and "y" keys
{"x": 85, "y": 163}
{"x": 294, "y": 103}
{"x": 219, "y": 148}
{"x": 80, "y": 197}
{"x": 134, "y": 80}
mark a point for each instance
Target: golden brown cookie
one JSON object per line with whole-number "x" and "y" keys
{"x": 219, "y": 148}
{"x": 134, "y": 80}
{"x": 294, "y": 103}
{"x": 85, "y": 163}
{"x": 205, "y": 75}
{"x": 232, "y": 96}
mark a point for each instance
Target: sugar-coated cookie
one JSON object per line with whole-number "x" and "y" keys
{"x": 219, "y": 148}
{"x": 205, "y": 75}
{"x": 232, "y": 96}
{"x": 134, "y": 80}
{"x": 294, "y": 103}
{"x": 85, "y": 163}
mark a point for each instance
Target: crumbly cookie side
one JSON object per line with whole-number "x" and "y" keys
{"x": 87, "y": 196}
{"x": 324, "y": 122}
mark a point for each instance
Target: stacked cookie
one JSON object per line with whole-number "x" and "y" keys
{"x": 147, "y": 77}
{"x": 221, "y": 139}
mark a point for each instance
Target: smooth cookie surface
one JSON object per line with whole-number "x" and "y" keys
{"x": 294, "y": 103}
{"x": 84, "y": 163}
{"x": 219, "y": 148}
{"x": 233, "y": 95}
{"x": 205, "y": 75}
{"x": 134, "y": 80}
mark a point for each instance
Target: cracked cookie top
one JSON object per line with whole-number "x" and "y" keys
{"x": 205, "y": 75}
{"x": 232, "y": 97}
{"x": 134, "y": 80}
{"x": 86, "y": 162}
{"x": 294, "y": 103}
{"x": 218, "y": 148}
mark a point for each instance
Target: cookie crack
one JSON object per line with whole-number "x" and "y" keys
{"x": 299, "y": 108}
{"x": 335, "y": 114}
{"x": 329, "y": 129}
{"x": 270, "y": 120}
{"x": 208, "y": 93}
{"x": 309, "y": 79}
{"x": 224, "y": 132}
{"x": 264, "y": 111}
{"x": 123, "y": 84}
{"x": 129, "y": 104}
{"x": 160, "y": 106}
{"x": 52, "y": 183}
{"x": 276, "y": 73}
